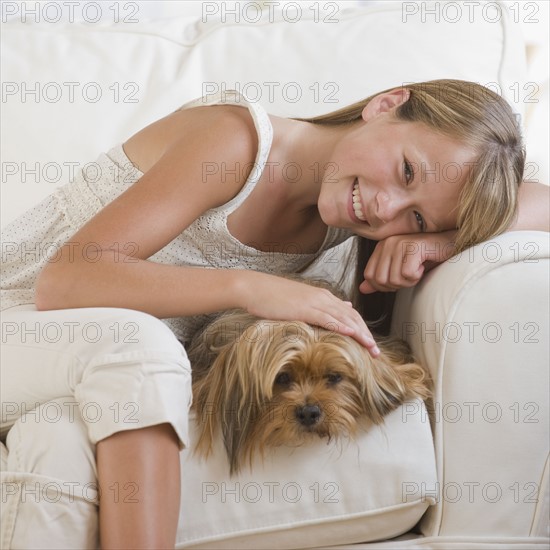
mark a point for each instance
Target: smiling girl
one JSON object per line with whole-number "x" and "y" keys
{"x": 201, "y": 211}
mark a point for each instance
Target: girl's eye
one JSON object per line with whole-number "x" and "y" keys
{"x": 409, "y": 177}
{"x": 408, "y": 171}
{"x": 420, "y": 221}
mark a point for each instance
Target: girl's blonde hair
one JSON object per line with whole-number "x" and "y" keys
{"x": 483, "y": 121}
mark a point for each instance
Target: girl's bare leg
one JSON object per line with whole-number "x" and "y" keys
{"x": 139, "y": 480}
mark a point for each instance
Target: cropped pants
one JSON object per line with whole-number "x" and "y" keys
{"x": 68, "y": 379}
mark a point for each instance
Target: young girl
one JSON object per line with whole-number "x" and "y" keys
{"x": 199, "y": 212}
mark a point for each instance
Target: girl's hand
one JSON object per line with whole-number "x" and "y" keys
{"x": 272, "y": 297}
{"x": 401, "y": 260}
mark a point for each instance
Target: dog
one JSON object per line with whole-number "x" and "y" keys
{"x": 263, "y": 383}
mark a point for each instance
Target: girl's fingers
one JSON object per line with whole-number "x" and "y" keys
{"x": 311, "y": 305}
{"x": 357, "y": 328}
{"x": 411, "y": 269}
{"x": 366, "y": 288}
{"x": 389, "y": 272}
{"x": 371, "y": 286}
{"x": 367, "y": 341}
{"x": 378, "y": 270}
{"x": 383, "y": 270}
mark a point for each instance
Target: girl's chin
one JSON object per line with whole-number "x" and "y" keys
{"x": 332, "y": 218}
{"x": 337, "y": 215}
{"x": 327, "y": 213}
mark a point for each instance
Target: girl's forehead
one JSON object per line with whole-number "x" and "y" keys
{"x": 431, "y": 149}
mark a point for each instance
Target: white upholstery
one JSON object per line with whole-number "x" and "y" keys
{"x": 312, "y": 495}
{"x": 480, "y": 323}
{"x": 299, "y": 497}
{"x": 144, "y": 71}
{"x": 164, "y": 64}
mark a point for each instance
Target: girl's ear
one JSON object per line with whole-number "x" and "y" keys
{"x": 382, "y": 103}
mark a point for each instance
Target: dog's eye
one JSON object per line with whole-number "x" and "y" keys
{"x": 333, "y": 378}
{"x": 283, "y": 379}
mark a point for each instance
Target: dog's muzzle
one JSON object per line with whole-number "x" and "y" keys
{"x": 308, "y": 415}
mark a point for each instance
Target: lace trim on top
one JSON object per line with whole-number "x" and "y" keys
{"x": 218, "y": 216}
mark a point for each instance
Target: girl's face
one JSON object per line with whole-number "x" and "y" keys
{"x": 391, "y": 178}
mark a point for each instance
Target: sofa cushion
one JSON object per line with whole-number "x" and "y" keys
{"x": 314, "y": 495}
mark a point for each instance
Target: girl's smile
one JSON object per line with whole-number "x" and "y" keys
{"x": 379, "y": 176}
{"x": 359, "y": 210}
{"x": 394, "y": 178}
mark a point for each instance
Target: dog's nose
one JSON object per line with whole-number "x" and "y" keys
{"x": 308, "y": 414}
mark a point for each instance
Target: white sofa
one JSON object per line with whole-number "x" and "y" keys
{"x": 479, "y": 321}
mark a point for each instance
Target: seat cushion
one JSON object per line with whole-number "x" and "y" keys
{"x": 370, "y": 489}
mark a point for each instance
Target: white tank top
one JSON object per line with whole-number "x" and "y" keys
{"x": 207, "y": 242}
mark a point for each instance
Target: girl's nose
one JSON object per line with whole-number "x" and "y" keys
{"x": 389, "y": 205}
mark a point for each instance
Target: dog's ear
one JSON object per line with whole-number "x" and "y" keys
{"x": 208, "y": 342}
{"x": 227, "y": 402}
{"x": 208, "y": 390}
{"x": 416, "y": 381}
{"x": 387, "y": 385}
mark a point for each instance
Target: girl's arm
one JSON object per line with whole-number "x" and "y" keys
{"x": 155, "y": 210}
{"x": 401, "y": 260}
{"x": 144, "y": 219}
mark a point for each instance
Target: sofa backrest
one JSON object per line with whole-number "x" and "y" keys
{"x": 72, "y": 90}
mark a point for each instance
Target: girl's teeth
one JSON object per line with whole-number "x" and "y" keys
{"x": 357, "y": 208}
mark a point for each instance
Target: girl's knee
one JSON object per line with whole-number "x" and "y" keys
{"x": 138, "y": 383}
{"x": 119, "y": 335}
{"x": 86, "y": 332}
{"x": 124, "y": 368}
{"x": 133, "y": 329}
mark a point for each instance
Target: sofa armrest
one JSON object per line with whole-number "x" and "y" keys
{"x": 480, "y": 323}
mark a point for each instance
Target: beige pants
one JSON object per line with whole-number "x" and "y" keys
{"x": 70, "y": 378}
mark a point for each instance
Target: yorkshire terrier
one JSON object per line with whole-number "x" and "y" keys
{"x": 264, "y": 383}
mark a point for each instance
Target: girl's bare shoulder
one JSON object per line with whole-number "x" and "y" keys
{"x": 148, "y": 145}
